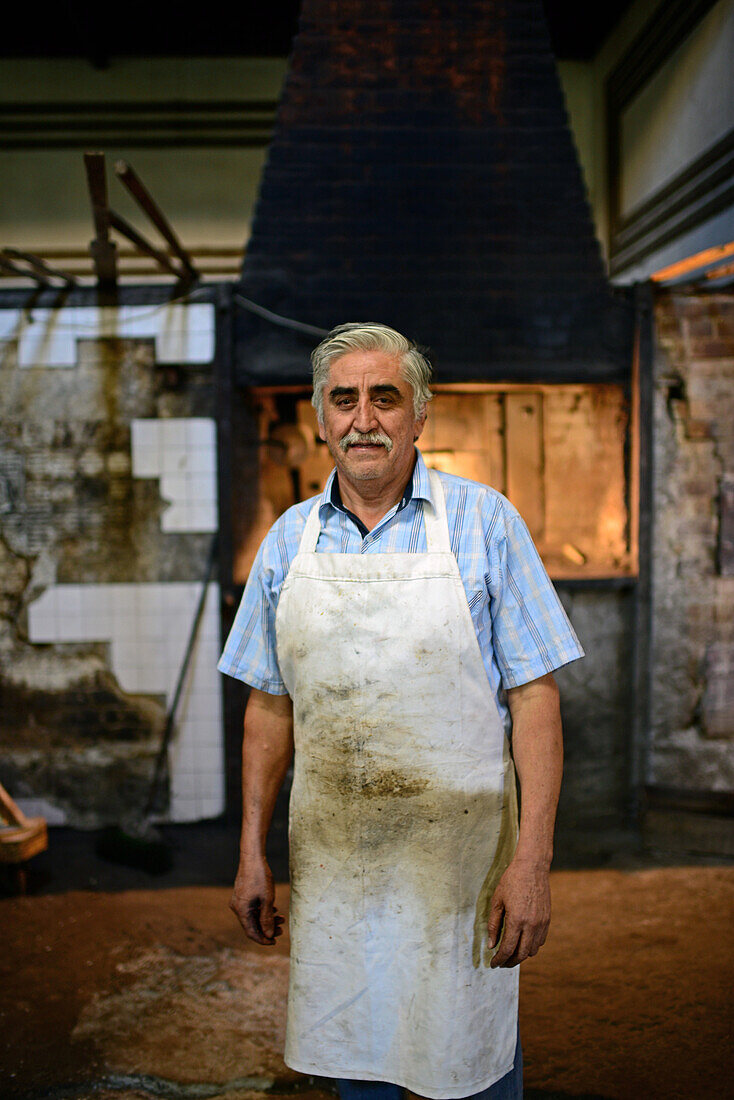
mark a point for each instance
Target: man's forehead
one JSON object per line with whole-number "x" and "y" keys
{"x": 366, "y": 369}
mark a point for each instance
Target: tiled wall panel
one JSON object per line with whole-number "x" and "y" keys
{"x": 147, "y": 627}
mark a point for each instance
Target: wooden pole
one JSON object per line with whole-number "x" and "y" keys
{"x": 122, "y": 226}
{"x": 148, "y": 205}
{"x": 10, "y": 268}
{"x": 42, "y": 269}
{"x": 102, "y": 249}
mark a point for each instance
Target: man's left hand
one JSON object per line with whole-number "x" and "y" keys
{"x": 522, "y": 898}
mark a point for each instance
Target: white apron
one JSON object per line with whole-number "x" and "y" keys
{"x": 403, "y": 816}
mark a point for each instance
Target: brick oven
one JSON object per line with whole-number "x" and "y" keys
{"x": 422, "y": 173}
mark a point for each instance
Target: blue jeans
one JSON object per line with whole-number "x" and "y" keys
{"x": 508, "y": 1087}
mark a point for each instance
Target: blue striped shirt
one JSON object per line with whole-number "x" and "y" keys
{"x": 521, "y": 627}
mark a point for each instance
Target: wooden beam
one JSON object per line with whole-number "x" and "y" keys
{"x": 693, "y": 263}
{"x": 102, "y": 249}
{"x": 720, "y": 271}
{"x": 148, "y": 205}
{"x": 10, "y": 268}
{"x": 122, "y": 226}
{"x": 524, "y": 472}
{"x": 40, "y": 266}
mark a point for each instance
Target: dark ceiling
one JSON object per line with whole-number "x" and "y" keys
{"x": 100, "y": 33}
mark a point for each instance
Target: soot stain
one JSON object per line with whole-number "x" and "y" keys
{"x": 481, "y": 951}
{"x": 362, "y": 802}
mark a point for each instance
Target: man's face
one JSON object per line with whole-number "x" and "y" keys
{"x": 369, "y": 422}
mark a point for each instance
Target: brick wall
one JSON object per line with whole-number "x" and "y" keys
{"x": 693, "y": 587}
{"x": 422, "y": 173}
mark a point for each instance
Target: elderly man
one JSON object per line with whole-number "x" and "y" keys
{"x": 395, "y": 629}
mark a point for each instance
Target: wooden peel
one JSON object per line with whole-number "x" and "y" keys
{"x": 20, "y": 837}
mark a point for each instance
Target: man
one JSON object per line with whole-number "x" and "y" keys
{"x": 387, "y": 627}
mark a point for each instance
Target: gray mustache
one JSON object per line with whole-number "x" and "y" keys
{"x": 351, "y": 438}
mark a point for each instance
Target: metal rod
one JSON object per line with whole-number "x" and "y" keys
{"x": 122, "y": 226}
{"x": 101, "y": 248}
{"x": 40, "y": 266}
{"x": 146, "y": 202}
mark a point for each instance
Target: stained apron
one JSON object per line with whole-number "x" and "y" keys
{"x": 403, "y": 816}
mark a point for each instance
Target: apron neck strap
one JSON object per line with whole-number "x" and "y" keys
{"x": 311, "y": 531}
{"x": 434, "y": 519}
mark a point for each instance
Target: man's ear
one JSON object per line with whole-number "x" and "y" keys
{"x": 419, "y": 425}
{"x": 322, "y": 433}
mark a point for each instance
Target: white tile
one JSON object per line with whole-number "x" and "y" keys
{"x": 43, "y": 617}
{"x": 174, "y": 487}
{"x": 67, "y": 629}
{"x": 175, "y": 518}
{"x": 87, "y": 320}
{"x": 70, "y": 600}
{"x": 11, "y": 322}
{"x": 148, "y": 680}
{"x": 124, "y": 655}
{"x": 181, "y": 333}
{"x": 148, "y": 652}
{"x": 155, "y": 603}
{"x": 208, "y": 756}
{"x": 147, "y": 662}
{"x": 174, "y": 459}
{"x": 201, "y": 433}
{"x": 212, "y": 806}
{"x": 184, "y": 809}
{"x": 200, "y": 317}
{"x": 173, "y": 432}
{"x": 131, "y": 320}
{"x": 205, "y": 518}
{"x": 181, "y": 751}
{"x": 172, "y": 648}
{"x": 109, "y": 320}
{"x": 179, "y": 597}
{"x": 86, "y": 594}
{"x": 98, "y": 610}
{"x": 185, "y": 784}
{"x": 172, "y": 318}
{"x": 180, "y": 347}
{"x": 99, "y": 626}
{"x": 123, "y": 611}
{"x": 203, "y": 461}
{"x": 146, "y": 462}
{"x": 153, "y": 627}
{"x": 145, "y": 432}
{"x": 47, "y": 350}
{"x": 202, "y": 488}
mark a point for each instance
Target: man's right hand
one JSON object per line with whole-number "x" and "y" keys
{"x": 253, "y": 902}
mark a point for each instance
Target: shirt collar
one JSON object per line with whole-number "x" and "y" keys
{"x": 418, "y": 488}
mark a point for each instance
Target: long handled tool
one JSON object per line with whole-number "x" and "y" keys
{"x": 141, "y": 845}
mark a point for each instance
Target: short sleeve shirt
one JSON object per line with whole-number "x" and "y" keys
{"x": 522, "y": 629}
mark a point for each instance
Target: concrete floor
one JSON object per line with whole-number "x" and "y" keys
{"x": 137, "y": 993}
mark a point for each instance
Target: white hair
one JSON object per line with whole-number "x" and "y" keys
{"x": 371, "y": 336}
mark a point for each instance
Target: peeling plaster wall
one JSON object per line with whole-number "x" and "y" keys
{"x": 692, "y": 737}
{"x": 107, "y": 511}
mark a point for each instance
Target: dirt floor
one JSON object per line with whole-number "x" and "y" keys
{"x": 148, "y": 993}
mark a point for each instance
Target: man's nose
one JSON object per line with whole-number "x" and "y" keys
{"x": 364, "y": 416}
